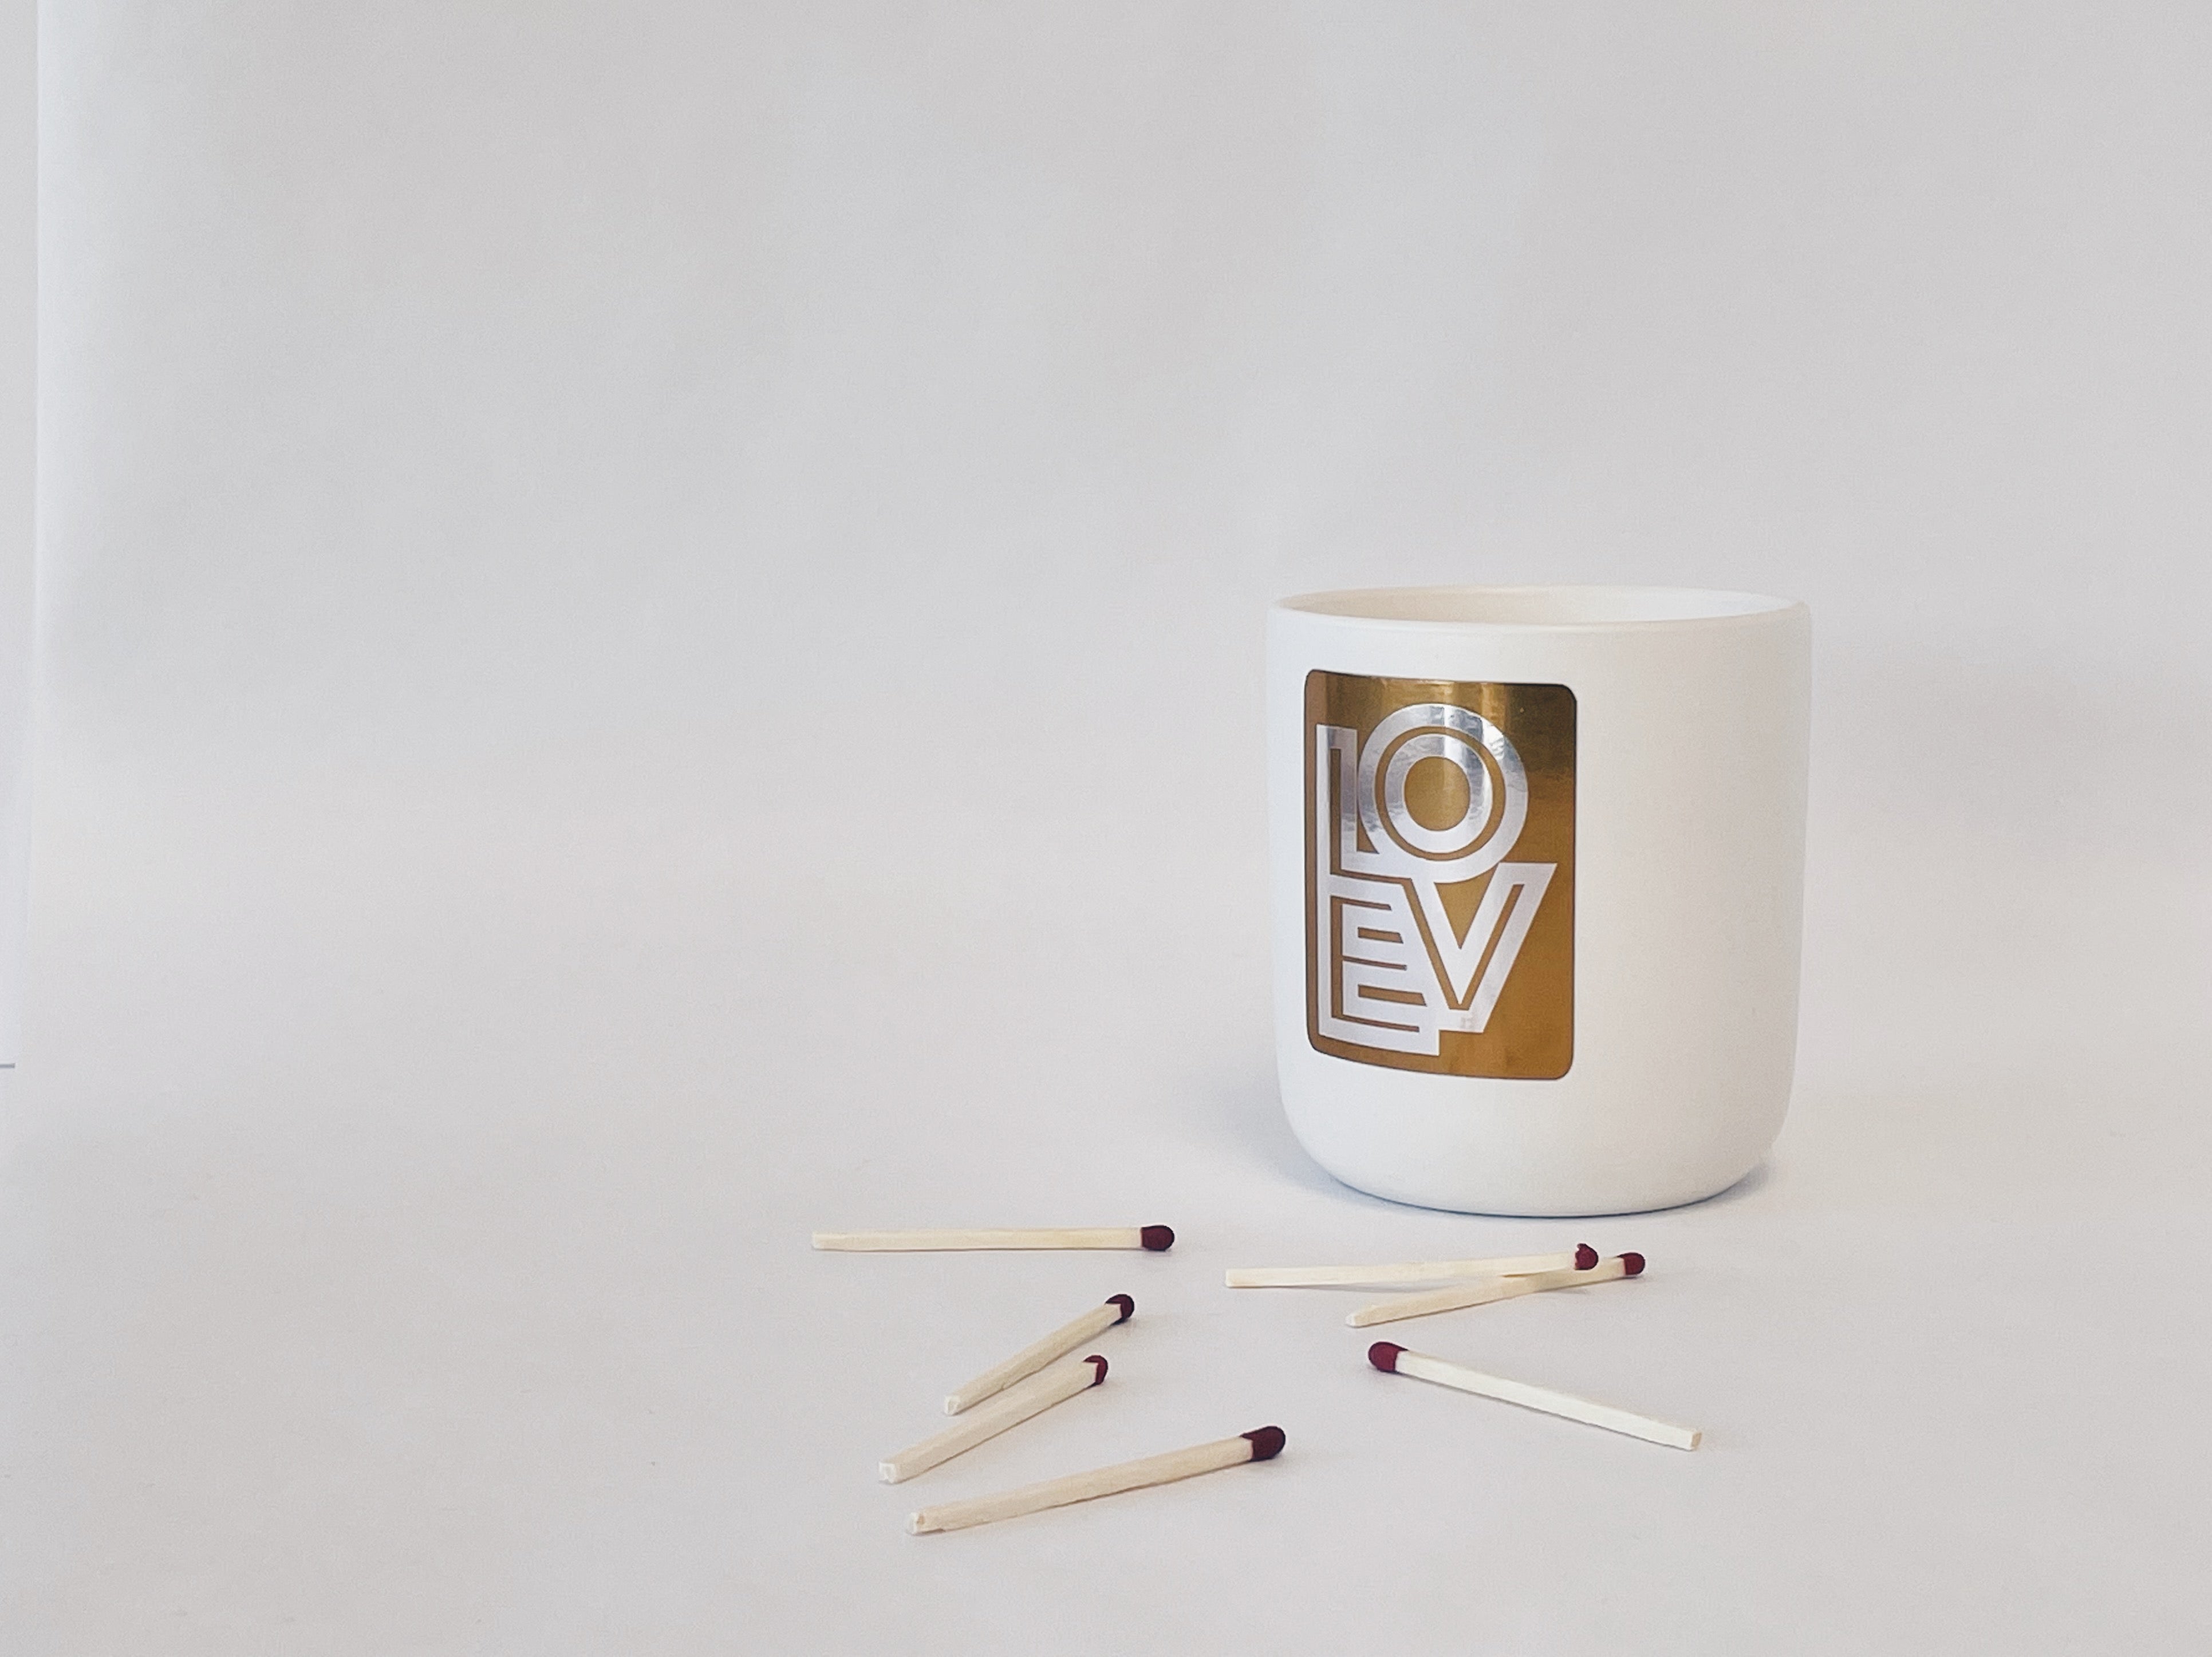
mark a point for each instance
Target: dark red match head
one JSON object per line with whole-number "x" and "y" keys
{"x": 1099, "y": 1364}
{"x": 1383, "y": 1355}
{"x": 1633, "y": 1264}
{"x": 1267, "y": 1442}
{"x": 1585, "y": 1257}
{"x": 1128, "y": 1306}
{"x": 1158, "y": 1238}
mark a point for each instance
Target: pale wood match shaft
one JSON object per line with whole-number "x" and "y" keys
{"x": 1310, "y": 1277}
{"x": 1481, "y": 1291}
{"x": 1010, "y": 1409}
{"x": 1103, "y": 1481}
{"x": 1038, "y": 1353}
{"x": 1421, "y": 1367}
{"x": 1109, "y": 1237}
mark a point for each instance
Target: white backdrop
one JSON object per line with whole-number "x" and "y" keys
{"x": 652, "y": 623}
{"x": 19, "y": 409}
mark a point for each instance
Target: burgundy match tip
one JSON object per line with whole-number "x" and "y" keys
{"x": 1632, "y": 1263}
{"x": 1585, "y": 1257}
{"x": 1383, "y": 1355}
{"x": 1158, "y": 1238}
{"x": 1128, "y": 1306}
{"x": 1100, "y": 1363}
{"x": 1267, "y": 1442}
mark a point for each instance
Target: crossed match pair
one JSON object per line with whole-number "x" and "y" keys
{"x": 1463, "y": 1283}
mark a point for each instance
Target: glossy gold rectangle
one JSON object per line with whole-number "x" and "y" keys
{"x": 1440, "y": 874}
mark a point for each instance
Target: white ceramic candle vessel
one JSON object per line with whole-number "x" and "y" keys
{"x": 1537, "y": 869}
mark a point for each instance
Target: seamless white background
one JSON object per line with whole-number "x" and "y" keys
{"x": 651, "y": 619}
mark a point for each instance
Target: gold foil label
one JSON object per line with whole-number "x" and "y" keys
{"x": 1440, "y": 875}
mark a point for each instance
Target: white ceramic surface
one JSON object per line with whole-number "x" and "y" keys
{"x": 1692, "y": 711}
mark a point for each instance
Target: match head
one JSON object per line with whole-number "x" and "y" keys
{"x": 1128, "y": 1306}
{"x": 1099, "y": 1364}
{"x": 1585, "y": 1257}
{"x": 1633, "y": 1264}
{"x": 1267, "y": 1442}
{"x": 1383, "y": 1355}
{"x": 1158, "y": 1238}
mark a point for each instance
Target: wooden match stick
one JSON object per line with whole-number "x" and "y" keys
{"x": 1118, "y": 1309}
{"x": 1010, "y": 1409}
{"x": 1389, "y": 1356}
{"x": 1155, "y": 1238}
{"x": 1483, "y": 1290}
{"x": 1581, "y": 1258}
{"x": 1261, "y": 1444}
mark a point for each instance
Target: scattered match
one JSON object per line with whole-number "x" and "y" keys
{"x": 1261, "y": 1444}
{"x": 1010, "y": 1409}
{"x": 1481, "y": 1291}
{"x": 1581, "y": 1258}
{"x": 1116, "y": 1308}
{"x": 1393, "y": 1359}
{"x": 1155, "y": 1238}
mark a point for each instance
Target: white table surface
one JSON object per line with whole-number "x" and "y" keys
{"x": 403, "y": 1242}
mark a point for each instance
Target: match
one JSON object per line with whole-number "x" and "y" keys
{"x": 1117, "y": 1308}
{"x": 1581, "y": 1258}
{"x": 1261, "y": 1444}
{"x": 1393, "y": 1359}
{"x": 1156, "y": 1238}
{"x": 1483, "y": 1290}
{"x": 1010, "y": 1409}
